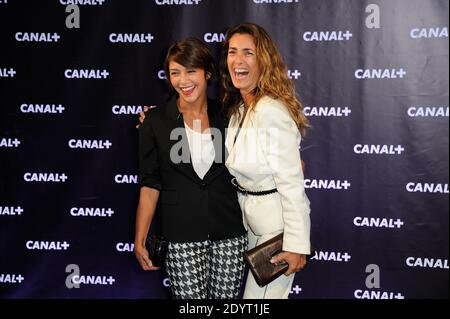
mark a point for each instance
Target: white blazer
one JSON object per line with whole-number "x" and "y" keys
{"x": 266, "y": 155}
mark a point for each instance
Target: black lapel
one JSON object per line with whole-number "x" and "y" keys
{"x": 217, "y": 123}
{"x": 179, "y": 143}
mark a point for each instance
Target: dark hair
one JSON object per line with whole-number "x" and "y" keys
{"x": 190, "y": 53}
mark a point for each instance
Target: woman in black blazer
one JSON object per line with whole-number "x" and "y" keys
{"x": 182, "y": 172}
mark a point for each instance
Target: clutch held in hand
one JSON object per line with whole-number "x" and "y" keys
{"x": 258, "y": 259}
{"x": 157, "y": 249}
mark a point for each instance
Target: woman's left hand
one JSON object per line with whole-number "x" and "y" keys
{"x": 295, "y": 261}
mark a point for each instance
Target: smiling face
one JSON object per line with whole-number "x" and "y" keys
{"x": 242, "y": 62}
{"x": 190, "y": 83}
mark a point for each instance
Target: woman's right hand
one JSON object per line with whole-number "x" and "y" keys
{"x": 141, "y": 254}
{"x": 142, "y": 116}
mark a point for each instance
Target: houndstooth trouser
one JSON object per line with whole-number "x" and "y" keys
{"x": 206, "y": 269}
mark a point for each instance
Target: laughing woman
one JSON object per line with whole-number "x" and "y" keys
{"x": 198, "y": 207}
{"x": 263, "y": 141}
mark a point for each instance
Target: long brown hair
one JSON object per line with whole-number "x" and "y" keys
{"x": 273, "y": 81}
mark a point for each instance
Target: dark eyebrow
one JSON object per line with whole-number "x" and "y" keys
{"x": 244, "y": 49}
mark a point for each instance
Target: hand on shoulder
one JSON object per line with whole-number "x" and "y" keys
{"x": 142, "y": 116}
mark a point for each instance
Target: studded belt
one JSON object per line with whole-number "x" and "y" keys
{"x": 246, "y": 192}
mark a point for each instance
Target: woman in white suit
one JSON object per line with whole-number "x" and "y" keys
{"x": 265, "y": 130}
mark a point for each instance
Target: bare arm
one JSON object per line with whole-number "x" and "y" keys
{"x": 148, "y": 199}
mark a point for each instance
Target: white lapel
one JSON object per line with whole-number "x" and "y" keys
{"x": 231, "y": 135}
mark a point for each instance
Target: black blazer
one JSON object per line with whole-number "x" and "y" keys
{"x": 190, "y": 209}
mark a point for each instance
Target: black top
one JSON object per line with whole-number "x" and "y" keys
{"x": 190, "y": 209}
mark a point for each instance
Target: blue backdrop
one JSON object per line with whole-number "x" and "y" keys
{"x": 373, "y": 76}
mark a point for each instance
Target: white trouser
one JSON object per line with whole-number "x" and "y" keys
{"x": 277, "y": 289}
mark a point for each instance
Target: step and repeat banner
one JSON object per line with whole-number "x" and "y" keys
{"x": 373, "y": 76}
